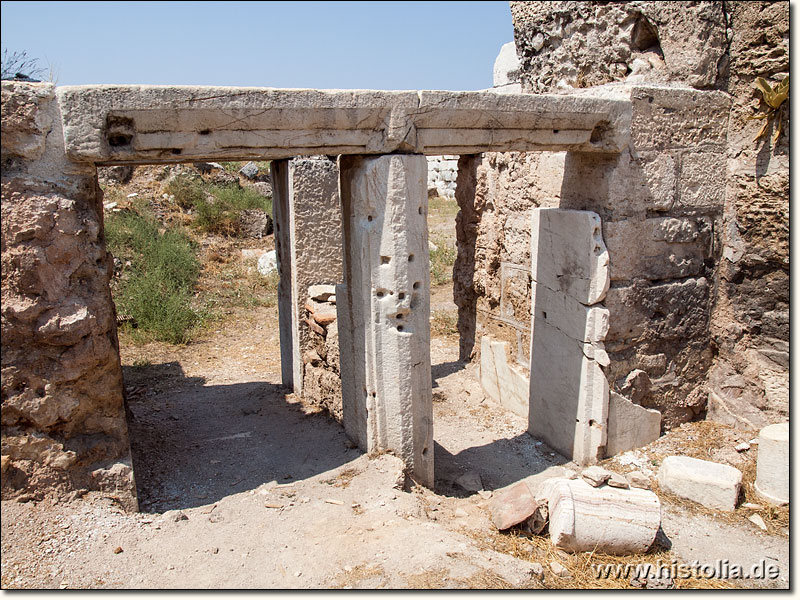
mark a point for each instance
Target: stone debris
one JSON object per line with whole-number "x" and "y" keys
{"x": 559, "y": 570}
{"x": 118, "y": 550}
{"x": 638, "y": 479}
{"x": 772, "y": 468}
{"x": 596, "y": 476}
{"x": 711, "y": 484}
{"x": 321, "y": 293}
{"x": 537, "y": 571}
{"x": 752, "y": 506}
{"x": 743, "y": 447}
{"x": 267, "y": 263}
{"x": 470, "y": 481}
{"x": 461, "y": 513}
{"x": 512, "y": 506}
{"x": 618, "y": 481}
{"x": 249, "y": 170}
{"x": 323, "y": 313}
{"x": 570, "y": 474}
{"x": 611, "y": 520}
{"x": 332, "y": 501}
{"x": 758, "y": 521}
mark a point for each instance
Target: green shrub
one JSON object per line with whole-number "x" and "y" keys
{"x": 442, "y": 261}
{"x": 156, "y": 289}
{"x": 218, "y": 207}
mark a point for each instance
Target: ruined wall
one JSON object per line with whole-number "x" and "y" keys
{"x": 750, "y": 326}
{"x": 63, "y": 415}
{"x": 674, "y": 259}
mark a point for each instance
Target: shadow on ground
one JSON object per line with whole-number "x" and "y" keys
{"x": 194, "y": 444}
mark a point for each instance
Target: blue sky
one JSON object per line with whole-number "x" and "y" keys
{"x": 380, "y": 45}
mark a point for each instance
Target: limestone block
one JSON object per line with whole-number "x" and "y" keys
{"x": 568, "y": 394}
{"x": 708, "y": 483}
{"x": 664, "y": 118}
{"x": 568, "y": 253}
{"x": 504, "y": 383}
{"x": 163, "y": 124}
{"x": 384, "y": 318}
{"x": 506, "y": 65}
{"x": 661, "y": 248}
{"x": 611, "y": 520}
{"x": 630, "y": 425}
{"x": 772, "y": 475}
{"x": 700, "y": 185}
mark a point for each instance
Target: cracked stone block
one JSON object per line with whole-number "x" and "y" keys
{"x": 568, "y": 253}
{"x": 630, "y": 425}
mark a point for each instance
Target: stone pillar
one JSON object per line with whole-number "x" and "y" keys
{"x": 64, "y": 424}
{"x": 308, "y": 245}
{"x": 568, "y": 407}
{"x": 384, "y": 308}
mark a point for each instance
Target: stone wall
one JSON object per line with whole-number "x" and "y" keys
{"x": 750, "y": 326}
{"x": 63, "y": 413}
{"x": 673, "y": 257}
{"x": 442, "y": 172}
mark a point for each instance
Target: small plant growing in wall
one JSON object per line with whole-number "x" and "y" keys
{"x": 775, "y": 101}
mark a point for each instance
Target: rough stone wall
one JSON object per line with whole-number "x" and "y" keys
{"x": 63, "y": 414}
{"x": 442, "y": 175}
{"x": 573, "y": 44}
{"x": 751, "y": 320}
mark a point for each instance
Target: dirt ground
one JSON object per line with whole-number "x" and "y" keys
{"x": 242, "y": 486}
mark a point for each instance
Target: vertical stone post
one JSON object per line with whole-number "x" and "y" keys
{"x": 64, "y": 426}
{"x": 384, "y": 308}
{"x": 308, "y": 248}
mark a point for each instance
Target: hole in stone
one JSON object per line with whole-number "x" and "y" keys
{"x": 416, "y": 285}
{"x": 555, "y": 130}
{"x": 401, "y": 295}
{"x": 399, "y": 328}
{"x": 380, "y": 294}
{"x": 374, "y": 394}
{"x": 205, "y": 132}
{"x": 119, "y": 139}
{"x": 644, "y": 36}
{"x": 591, "y": 422}
{"x": 40, "y": 392}
{"x": 410, "y": 258}
{"x": 385, "y": 260}
{"x": 599, "y": 132}
{"x": 369, "y": 218}
{"x": 400, "y": 315}
{"x": 544, "y": 315}
{"x": 176, "y": 150}
{"x": 425, "y": 451}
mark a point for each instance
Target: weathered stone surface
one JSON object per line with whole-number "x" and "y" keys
{"x": 657, "y": 249}
{"x": 470, "y": 481}
{"x": 171, "y": 124}
{"x": 308, "y": 242}
{"x": 384, "y": 309}
{"x": 321, "y": 292}
{"x": 568, "y": 253}
{"x": 618, "y": 481}
{"x": 606, "y": 519}
{"x": 63, "y": 412}
{"x": 629, "y": 425}
{"x": 638, "y": 479}
{"x": 711, "y": 484}
{"x": 504, "y": 383}
{"x": 572, "y": 44}
{"x": 772, "y": 478}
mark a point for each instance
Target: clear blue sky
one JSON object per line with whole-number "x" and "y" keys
{"x": 380, "y": 45}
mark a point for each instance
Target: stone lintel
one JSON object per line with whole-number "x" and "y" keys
{"x": 129, "y": 124}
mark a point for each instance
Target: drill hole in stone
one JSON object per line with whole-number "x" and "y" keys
{"x": 410, "y": 258}
{"x": 400, "y": 316}
{"x": 399, "y": 328}
{"x": 401, "y": 295}
{"x": 416, "y": 285}
{"x": 369, "y": 218}
{"x": 420, "y": 210}
{"x": 385, "y": 260}
{"x": 380, "y": 294}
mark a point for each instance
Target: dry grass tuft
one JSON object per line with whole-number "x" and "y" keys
{"x": 357, "y": 575}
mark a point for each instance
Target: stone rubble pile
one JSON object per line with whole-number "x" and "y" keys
{"x": 321, "y": 380}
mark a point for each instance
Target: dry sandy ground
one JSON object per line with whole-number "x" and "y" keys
{"x": 242, "y": 486}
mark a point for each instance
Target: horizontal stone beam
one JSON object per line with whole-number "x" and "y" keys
{"x": 109, "y": 124}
